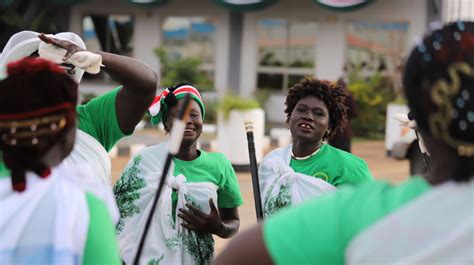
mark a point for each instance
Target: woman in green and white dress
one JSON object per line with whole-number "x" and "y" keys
{"x": 422, "y": 221}
{"x": 309, "y": 167}
{"x": 200, "y": 198}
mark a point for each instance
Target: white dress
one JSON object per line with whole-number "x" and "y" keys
{"x": 167, "y": 241}
{"x": 48, "y": 222}
{"x": 281, "y": 186}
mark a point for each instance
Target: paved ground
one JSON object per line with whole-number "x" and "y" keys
{"x": 372, "y": 151}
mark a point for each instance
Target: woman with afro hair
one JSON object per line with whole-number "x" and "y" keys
{"x": 425, "y": 220}
{"x": 309, "y": 167}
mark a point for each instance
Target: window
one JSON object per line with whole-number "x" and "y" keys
{"x": 286, "y": 52}
{"x": 376, "y": 46}
{"x": 109, "y": 33}
{"x": 454, "y": 10}
{"x": 189, "y": 45}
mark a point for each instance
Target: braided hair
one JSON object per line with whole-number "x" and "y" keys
{"x": 38, "y": 110}
{"x": 439, "y": 85}
{"x": 333, "y": 96}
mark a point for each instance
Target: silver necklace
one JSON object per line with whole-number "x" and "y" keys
{"x": 303, "y": 157}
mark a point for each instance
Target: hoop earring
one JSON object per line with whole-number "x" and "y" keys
{"x": 326, "y": 134}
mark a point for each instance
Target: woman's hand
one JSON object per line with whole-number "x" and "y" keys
{"x": 70, "y": 47}
{"x": 198, "y": 221}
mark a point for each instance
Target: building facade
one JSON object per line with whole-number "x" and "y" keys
{"x": 262, "y": 50}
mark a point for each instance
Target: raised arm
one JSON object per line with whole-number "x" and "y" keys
{"x": 139, "y": 83}
{"x": 138, "y": 80}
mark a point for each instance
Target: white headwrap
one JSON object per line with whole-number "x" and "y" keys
{"x": 24, "y": 43}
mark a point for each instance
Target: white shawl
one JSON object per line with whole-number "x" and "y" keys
{"x": 281, "y": 186}
{"x": 167, "y": 241}
{"x": 87, "y": 150}
{"x": 48, "y": 222}
{"x": 436, "y": 228}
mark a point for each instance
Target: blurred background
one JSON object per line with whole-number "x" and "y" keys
{"x": 243, "y": 55}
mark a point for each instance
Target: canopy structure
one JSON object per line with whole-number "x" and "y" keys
{"x": 232, "y": 5}
{"x": 148, "y": 2}
{"x": 245, "y": 5}
{"x": 254, "y": 5}
{"x": 343, "y": 5}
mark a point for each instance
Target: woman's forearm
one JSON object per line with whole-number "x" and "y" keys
{"x": 229, "y": 228}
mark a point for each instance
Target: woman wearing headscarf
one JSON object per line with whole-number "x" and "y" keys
{"x": 200, "y": 198}
{"x": 103, "y": 121}
{"x": 49, "y": 213}
{"x": 421, "y": 221}
{"x": 309, "y": 167}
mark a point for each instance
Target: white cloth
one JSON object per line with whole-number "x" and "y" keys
{"x": 436, "y": 228}
{"x": 281, "y": 186}
{"x": 48, "y": 222}
{"x": 167, "y": 241}
{"x": 87, "y": 150}
{"x": 24, "y": 43}
{"x": 20, "y": 45}
{"x": 86, "y": 178}
{"x": 87, "y": 61}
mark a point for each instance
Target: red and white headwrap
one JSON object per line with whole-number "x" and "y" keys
{"x": 169, "y": 97}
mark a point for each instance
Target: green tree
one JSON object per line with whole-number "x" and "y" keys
{"x": 372, "y": 94}
{"x": 37, "y": 15}
{"x": 182, "y": 70}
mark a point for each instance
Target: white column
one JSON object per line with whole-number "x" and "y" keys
{"x": 248, "y": 61}
{"x": 330, "y": 50}
{"x": 75, "y": 21}
{"x": 221, "y": 64}
{"x": 146, "y": 38}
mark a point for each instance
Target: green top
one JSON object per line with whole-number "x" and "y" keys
{"x": 319, "y": 231}
{"x": 101, "y": 245}
{"x": 214, "y": 168}
{"x": 4, "y": 172}
{"x": 335, "y": 166}
{"x": 97, "y": 118}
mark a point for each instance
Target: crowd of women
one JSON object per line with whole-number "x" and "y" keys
{"x": 321, "y": 205}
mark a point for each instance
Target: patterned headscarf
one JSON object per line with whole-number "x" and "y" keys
{"x": 38, "y": 111}
{"x": 439, "y": 84}
{"x": 159, "y": 108}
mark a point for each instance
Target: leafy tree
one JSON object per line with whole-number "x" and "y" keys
{"x": 182, "y": 70}
{"x": 36, "y": 15}
{"x": 372, "y": 94}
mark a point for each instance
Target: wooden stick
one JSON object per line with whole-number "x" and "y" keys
{"x": 254, "y": 171}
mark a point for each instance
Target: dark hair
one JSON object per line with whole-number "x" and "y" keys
{"x": 38, "y": 108}
{"x": 439, "y": 86}
{"x": 331, "y": 94}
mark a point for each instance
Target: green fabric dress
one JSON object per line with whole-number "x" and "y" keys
{"x": 319, "y": 231}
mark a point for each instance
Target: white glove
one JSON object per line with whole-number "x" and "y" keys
{"x": 87, "y": 61}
